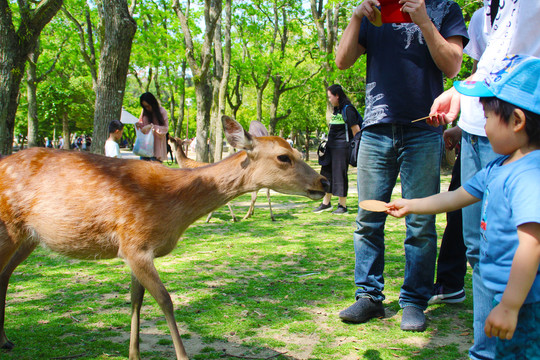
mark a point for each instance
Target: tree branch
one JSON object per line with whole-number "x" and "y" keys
{"x": 88, "y": 59}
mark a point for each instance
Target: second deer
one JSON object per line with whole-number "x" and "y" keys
{"x": 257, "y": 129}
{"x": 131, "y": 209}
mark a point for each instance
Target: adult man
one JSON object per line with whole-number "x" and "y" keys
{"x": 405, "y": 67}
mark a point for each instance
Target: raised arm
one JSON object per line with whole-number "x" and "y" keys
{"x": 349, "y": 50}
{"x": 446, "y": 53}
{"x": 435, "y": 204}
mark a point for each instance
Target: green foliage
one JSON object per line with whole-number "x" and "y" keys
{"x": 158, "y": 50}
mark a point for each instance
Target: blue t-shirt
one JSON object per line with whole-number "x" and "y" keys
{"x": 510, "y": 197}
{"x": 402, "y": 78}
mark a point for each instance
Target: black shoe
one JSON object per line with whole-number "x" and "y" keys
{"x": 322, "y": 208}
{"x": 362, "y": 310}
{"x": 441, "y": 295}
{"x": 340, "y": 210}
{"x": 413, "y": 319}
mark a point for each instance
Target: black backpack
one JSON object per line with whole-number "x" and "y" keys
{"x": 354, "y": 144}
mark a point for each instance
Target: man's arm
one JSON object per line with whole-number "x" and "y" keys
{"x": 446, "y": 53}
{"x": 502, "y": 320}
{"x": 349, "y": 50}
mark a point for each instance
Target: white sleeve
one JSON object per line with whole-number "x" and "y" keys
{"x": 477, "y": 36}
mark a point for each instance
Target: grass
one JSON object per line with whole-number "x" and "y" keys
{"x": 255, "y": 289}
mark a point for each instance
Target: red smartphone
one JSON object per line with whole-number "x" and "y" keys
{"x": 391, "y": 12}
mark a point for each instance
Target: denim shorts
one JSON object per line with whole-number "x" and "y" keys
{"x": 525, "y": 344}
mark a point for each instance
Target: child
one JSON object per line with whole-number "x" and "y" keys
{"x": 510, "y": 191}
{"x": 116, "y": 129}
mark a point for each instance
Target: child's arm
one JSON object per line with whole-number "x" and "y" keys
{"x": 435, "y": 204}
{"x": 502, "y": 320}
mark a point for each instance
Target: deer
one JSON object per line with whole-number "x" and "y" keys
{"x": 131, "y": 209}
{"x": 185, "y": 162}
{"x": 257, "y": 129}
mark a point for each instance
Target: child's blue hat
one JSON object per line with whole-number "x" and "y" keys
{"x": 518, "y": 83}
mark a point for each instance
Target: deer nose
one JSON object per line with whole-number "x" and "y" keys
{"x": 325, "y": 184}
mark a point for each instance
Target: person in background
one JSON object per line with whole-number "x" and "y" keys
{"x": 154, "y": 118}
{"x": 452, "y": 261}
{"x": 509, "y": 256}
{"x": 338, "y": 147}
{"x": 405, "y": 65}
{"x": 116, "y": 129}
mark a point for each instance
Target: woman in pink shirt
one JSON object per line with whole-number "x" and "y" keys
{"x": 154, "y": 118}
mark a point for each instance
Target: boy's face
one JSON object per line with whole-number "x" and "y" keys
{"x": 118, "y": 134}
{"x": 499, "y": 133}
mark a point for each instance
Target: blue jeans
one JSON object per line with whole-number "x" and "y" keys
{"x": 525, "y": 344}
{"x": 385, "y": 152}
{"x": 476, "y": 153}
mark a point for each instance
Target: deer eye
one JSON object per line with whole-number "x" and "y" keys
{"x": 284, "y": 159}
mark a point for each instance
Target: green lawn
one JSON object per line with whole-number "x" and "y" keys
{"x": 255, "y": 289}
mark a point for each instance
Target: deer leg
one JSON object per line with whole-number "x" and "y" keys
{"x": 20, "y": 254}
{"x": 251, "y": 209}
{"x": 270, "y": 205}
{"x": 209, "y": 217}
{"x": 234, "y": 219}
{"x": 137, "y": 294}
{"x": 143, "y": 269}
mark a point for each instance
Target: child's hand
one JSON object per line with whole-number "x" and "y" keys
{"x": 501, "y": 322}
{"x": 398, "y": 208}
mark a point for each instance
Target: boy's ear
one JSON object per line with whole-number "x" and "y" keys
{"x": 518, "y": 120}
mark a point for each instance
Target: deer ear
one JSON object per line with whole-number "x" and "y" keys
{"x": 236, "y": 136}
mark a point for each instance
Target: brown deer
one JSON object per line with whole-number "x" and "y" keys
{"x": 257, "y": 129}
{"x": 132, "y": 209}
{"x": 187, "y": 163}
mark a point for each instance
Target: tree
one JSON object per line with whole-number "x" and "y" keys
{"x": 32, "y": 81}
{"x": 223, "y": 83}
{"x": 326, "y": 37}
{"x": 199, "y": 61}
{"x": 116, "y": 34}
{"x": 15, "y": 46}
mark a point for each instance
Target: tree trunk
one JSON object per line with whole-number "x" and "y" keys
{"x": 326, "y": 39}
{"x": 237, "y": 94}
{"x": 182, "y": 103}
{"x": 117, "y": 36}
{"x": 200, "y": 67}
{"x": 218, "y": 154}
{"x": 275, "y": 104}
{"x": 31, "y": 93}
{"x": 15, "y": 45}
{"x": 65, "y": 131}
{"x": 203, "y": 91}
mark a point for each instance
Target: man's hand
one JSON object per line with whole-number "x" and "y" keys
{"x": 452, "y": 137}
{"x": 417, "y": 10}
{"x": 501, "y": 322}
{"x": 445, "y": 108}
{"x": 366, "y": 9}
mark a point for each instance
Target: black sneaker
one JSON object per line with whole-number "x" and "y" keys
{"x": 340, "y": 210}
{"x": 322, "y": 208}
{"x": 362, "y": 310}
{"x": 446, "y": 296}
